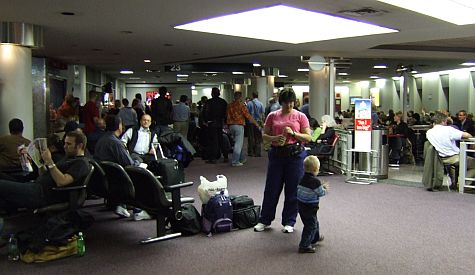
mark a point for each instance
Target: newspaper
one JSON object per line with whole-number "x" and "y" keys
{"x": 34, "y": 150}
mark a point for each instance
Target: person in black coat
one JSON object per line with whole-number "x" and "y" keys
{"x": 464, "y": 124}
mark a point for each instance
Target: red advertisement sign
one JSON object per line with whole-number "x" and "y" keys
{"x": 362, "y": 124}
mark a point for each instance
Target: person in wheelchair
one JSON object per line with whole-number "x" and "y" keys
{"x": 322, "y": 143}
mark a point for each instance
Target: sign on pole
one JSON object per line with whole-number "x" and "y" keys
{"x": 362, "y": 125}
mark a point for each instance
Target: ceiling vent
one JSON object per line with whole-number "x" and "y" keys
{"x": 363, "y": 12}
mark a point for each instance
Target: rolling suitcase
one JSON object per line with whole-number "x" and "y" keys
{"x": 168, "y": 170}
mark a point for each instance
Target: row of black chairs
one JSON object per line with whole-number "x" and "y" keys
{"x": 134, "y": 186}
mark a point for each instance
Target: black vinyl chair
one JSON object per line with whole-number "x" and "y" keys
{"x": 77, "y": 196}
{"x": 120, "y": 187}
{"x": 324, "y": 156}
{"x": 98, "y": 185}
{"x": 151, "y": 196}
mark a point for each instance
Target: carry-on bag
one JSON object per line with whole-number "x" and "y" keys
{"x": 168, "y": 170}
{"x": 217, "y": 215}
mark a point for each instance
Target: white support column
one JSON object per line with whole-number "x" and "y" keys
{"x": 319, "y": 96}
{"x": 404, "y": 95}
{"x": 265, "y": 88}
{"x": 16, "y": 88}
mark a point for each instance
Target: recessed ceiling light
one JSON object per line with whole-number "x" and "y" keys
{"x": 243, "y": 25}
{"x": 468, "y": 64}
{"x": 343, "y": 73}
{"x": 181, "y": 75}
{"x": 147, "y": 60}
{"x": 414, "y": 72}
{"x": 374, "y": 77}
{"x": 283, "y": 75}
{"x": 380, "y": 67}
{"x": 126, "y": 72}
{"x": 256, "y": 65}
{"x": 237, "y": 72}
{"x": 68, "y": 13}
{"x": 459, "y": 12}
{"x": 302, "y": 70}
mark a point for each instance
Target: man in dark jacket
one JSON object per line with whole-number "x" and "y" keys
{"x": 214, "y": 117}
{"x": 162, "y": 109}
{"x": 464, "y": 124}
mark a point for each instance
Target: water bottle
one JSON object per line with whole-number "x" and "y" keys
{"x": 25, "y": 164}
{"x": 13, "y": 252}
{"x": 81, "y": 247}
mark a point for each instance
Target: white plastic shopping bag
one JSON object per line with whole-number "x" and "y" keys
{"x": 207, "y": 188}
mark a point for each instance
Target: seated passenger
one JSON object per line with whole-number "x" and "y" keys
{"x": 9, "y": 155}
{"x": 322, "y": 143}
{"x": 444, "y": 139}
{"x": 138, "y": 140}
{"x": 94, "y": 137}
{"x": 70, "y": 171}
{"x": 111, "y": 148}
{"x": 315, "y": 129}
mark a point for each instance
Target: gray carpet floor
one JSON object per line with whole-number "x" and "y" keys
{"x": 369, "y": 229}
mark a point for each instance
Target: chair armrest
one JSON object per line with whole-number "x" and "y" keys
{"x": 177, "y": 186}
{"x": 69, "y": 188}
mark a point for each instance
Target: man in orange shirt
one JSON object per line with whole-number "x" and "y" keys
{"x": 237, "y": 114}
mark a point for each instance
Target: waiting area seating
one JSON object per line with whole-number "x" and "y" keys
{"x": 324, "y": 154}
{"x": 138, "y": 187}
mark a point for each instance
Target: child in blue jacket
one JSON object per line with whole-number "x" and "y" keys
{"x": 309, "y": 191}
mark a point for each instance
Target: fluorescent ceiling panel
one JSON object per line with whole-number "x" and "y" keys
{"x": 459, "y": 12}
{"x": 298, "y": 26}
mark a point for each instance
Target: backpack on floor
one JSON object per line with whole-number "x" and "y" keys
{"x": 217, "y": 214}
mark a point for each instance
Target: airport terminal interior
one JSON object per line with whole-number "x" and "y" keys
{"x": 406, "y": 62}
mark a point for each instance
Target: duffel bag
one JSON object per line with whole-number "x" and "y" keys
{"x": 242, "y": 201}
{"x": 246, "y": 217}
{"x": 190, "y": 224}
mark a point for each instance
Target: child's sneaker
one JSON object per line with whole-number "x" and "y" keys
{"x": 260, "y": 227}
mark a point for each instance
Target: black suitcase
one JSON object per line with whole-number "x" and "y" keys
{"x": 168, "y": 170}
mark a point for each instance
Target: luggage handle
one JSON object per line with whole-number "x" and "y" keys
{"x": 155, "y": 151}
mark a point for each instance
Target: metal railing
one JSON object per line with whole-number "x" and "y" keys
{"x": 462, "y": 180}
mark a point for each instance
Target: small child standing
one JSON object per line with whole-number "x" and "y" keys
{"x": 309, "y": 192}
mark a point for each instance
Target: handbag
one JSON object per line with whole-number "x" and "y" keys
{"x": 246, "y": 217}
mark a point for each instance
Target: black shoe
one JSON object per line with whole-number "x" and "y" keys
{"x": 319, "y": 240}
{"x": 309, "y": 249}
